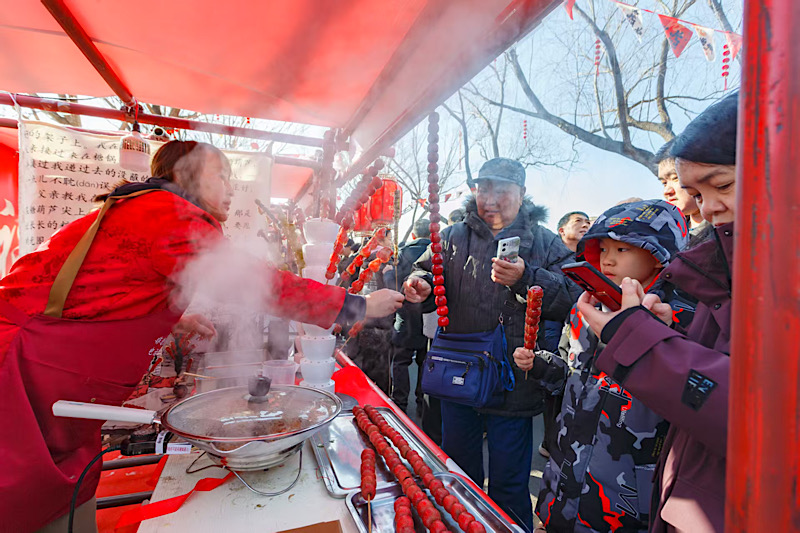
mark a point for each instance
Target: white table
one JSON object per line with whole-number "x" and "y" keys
{"x": 233, "y": 508}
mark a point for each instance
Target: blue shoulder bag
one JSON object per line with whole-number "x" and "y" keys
{"x": 468, "y": 368}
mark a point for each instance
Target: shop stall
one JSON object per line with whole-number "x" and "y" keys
{"x": 369, "y": 71}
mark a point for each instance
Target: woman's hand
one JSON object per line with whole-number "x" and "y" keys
{"x": 416, "y": 289}
{"x": 661, "y": 310}
{"x": 195, "y": 324}
{"x": 383, "y": 303}
{"x": 632, "y": 296}
{"x": 524, "y": 358}
{"x": 506, "y": 273}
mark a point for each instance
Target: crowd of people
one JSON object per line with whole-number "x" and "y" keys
{"x": 634, "y": 401}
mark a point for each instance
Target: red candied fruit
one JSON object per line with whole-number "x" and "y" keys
{"x": 435, "y": 484}
{"x": 464, "y": 520}
{"x": 402, "y": 501}
{"x": 416, "y": 496}
{"x": 427, "y": 479}
{"x": 405, "y": 521}
{"x": 448, "y": 502}
{"x": 475, "y": 527}
{"x": 440, "y": 494}
{"x": 429, "y": 516}
{"x": 437, "y": 526}
{"x": 457, "y": 510}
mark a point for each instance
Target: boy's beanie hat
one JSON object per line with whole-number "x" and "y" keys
{"x": 654, "y": 225}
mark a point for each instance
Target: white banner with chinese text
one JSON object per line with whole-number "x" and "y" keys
{"x": 61, "y": 170}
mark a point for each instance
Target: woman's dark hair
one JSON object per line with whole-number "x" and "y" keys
{"x": 711, "y": 137}
{"x": 164, "y": 160}
{"x": 171, "y": 159}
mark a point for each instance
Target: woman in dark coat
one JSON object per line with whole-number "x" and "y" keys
{"x": 683, "y": 376}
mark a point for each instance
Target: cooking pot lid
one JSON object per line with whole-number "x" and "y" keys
{"x": 228, "y": 415}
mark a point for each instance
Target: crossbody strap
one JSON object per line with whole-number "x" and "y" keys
{"x": 69, "y": 270}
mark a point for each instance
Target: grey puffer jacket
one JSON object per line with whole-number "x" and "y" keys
{"x": 476, "y": 303}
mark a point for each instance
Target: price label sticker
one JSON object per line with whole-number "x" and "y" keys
{"x": 174, "y": 448}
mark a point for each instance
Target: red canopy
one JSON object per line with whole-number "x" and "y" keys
{"x": 370, "y": 67}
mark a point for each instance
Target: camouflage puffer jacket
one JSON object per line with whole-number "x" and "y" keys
{"x": 600, "y": 477}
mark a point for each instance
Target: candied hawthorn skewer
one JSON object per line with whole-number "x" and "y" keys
{"x": 533, "y": 314}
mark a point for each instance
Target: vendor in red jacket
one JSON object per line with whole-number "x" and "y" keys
{"x": 79, "y": 315}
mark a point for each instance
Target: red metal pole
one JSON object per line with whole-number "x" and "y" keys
{"x": 764, "y": 422}
{"x": 60, "y": 106}
{"x": 75, "y": 31}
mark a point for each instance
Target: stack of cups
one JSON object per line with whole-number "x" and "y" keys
{"x": 318, "y": 344}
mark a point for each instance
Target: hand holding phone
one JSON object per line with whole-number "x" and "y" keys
{"x": 508, "y": 249}
{"x": 594, "y": 282}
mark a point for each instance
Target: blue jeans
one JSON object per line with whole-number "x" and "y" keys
{"x": 510, "y": 443}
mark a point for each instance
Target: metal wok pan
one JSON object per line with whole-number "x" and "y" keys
{"x": 238, "y": 433}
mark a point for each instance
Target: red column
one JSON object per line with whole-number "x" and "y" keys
{"x": 9, "y": 216}
{"x": 764, "y": 424}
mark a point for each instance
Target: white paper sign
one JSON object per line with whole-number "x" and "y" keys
{"x": 61, "y": 170}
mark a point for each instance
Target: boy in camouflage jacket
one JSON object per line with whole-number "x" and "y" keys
{"x": 599, "y": 478}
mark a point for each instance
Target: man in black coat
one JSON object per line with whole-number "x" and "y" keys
{"x": 482, "y": 290}
{"x": 408, "y": 341}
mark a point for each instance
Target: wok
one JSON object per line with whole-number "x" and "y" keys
{"x": 237, "y": 432}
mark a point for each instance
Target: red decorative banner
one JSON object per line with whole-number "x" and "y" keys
{"x": 678, "y": 34}
{"x": 734, "y": 43}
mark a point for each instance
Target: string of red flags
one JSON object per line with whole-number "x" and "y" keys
{"x": 679, "y": 33}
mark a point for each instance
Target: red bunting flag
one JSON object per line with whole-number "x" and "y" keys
{"x": 734, "y": 43}
{"x": 678, "y": 34}
{"x": 568, "y": 5}
{"x": 421, "y": 201}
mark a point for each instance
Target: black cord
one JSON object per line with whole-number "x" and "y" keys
{"x": 80, "y": 480}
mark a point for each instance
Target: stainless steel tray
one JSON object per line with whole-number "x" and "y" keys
{"x": 338, "y": 447}
{"x": 383, "y": 508}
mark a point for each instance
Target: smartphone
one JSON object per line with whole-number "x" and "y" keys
{"x": 594, "y": 282}
{"x": 508, "y": 249}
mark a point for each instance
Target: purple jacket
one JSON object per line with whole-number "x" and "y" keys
{"x": 684, "y": 378}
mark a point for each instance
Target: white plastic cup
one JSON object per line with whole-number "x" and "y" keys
{"x": 317, "y": 273}
{"x": 280, "y": 372}
{"x": 328, "y": 386}
{"x": 317, "y": 254}
{"x": 317, "y": 371}
{"x": 320, "y": 230}
{"x": 317, "y": 348}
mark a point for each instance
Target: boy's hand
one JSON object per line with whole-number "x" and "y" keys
{"x": 506, "y": 273}
{"x": 524, "y": 358}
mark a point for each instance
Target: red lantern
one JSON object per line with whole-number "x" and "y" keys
{"x": 381, "y": 203}
{"x": 362, "y": 221}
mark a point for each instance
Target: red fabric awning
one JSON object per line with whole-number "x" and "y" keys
{"x": 368, "y": 66}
